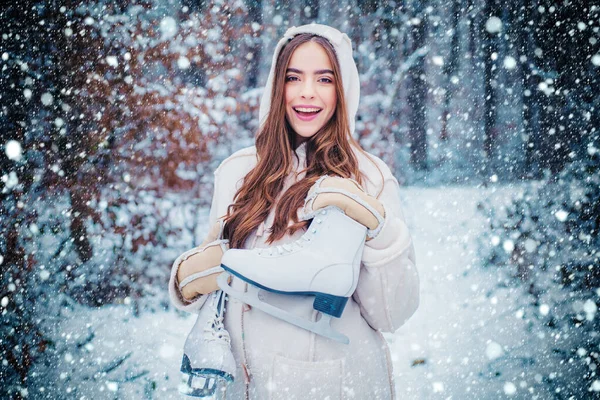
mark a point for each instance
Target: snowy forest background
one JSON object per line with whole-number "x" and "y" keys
{"x": 114, "y": 116}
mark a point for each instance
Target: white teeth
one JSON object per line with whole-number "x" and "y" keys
{"x": 307, "y": 109}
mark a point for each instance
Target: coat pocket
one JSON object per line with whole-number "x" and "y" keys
{"x": 305, "y": 380}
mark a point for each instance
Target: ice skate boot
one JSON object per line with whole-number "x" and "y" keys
{"x": 208, "y": 365}
{"x": 324, "y": 262}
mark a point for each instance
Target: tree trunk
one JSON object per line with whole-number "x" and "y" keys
{"x": 450, "y": 69}
{"x": 490, "y": 48}
{"x": 19, "y": 337}
{"x": 471, "y": 14}
{"x": 418, "y": 93}
{"x": 255, "y": 11}
{"x": 530, "y": 136}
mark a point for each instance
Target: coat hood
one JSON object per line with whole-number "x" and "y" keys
{"x": 343, "y": 49}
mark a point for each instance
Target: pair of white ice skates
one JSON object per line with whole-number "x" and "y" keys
{"x": 324, "y": 262}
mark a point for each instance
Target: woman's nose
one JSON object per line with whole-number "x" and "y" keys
{"x": 308, "y": 90}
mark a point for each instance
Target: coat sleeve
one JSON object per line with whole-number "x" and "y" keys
{"x": 177, "y": 299}
{"x": 388, "y": 285}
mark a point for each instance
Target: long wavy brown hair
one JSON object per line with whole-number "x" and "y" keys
{"x": 329, "y": 151}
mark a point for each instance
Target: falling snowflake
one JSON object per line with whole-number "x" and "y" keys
{"x": 438, "y": 60}
{"x": 112, "y": 61}
{"x": 561, "y": 215}
{"x": 590, "y": 308}
{"x": 44, "y": 275}
{"x": 493, "y": 25}
{"x": 510, "y": 62}
{"x": 530, "y": 245}
{"x": 47, "y": 99}
{"x": 508, "y": 246}
{"x": 13, "y": 150}
{"x": 493, "y": 350}
{"x": 495, "y": 240}
{"x": 510, "y": 388}
{"x": 168, "y": 27}
{"x": 183, "y": 62}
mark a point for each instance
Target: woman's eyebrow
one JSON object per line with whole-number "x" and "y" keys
{"x": 317, "y": 72}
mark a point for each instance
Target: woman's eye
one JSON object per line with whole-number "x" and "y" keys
{"x": 326, "y": 80}
{"x": 291, "y": 78}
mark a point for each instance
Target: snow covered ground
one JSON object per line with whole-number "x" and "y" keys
{"x": 464, "y": 341}
{"x": 468, "y": 339}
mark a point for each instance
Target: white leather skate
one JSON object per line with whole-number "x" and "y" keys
{"x": 208, "y": 365}
{"x": 324, "y": 262}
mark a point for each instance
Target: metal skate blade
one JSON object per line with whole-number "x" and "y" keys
{"x": 209, "y": 387}
{"x": 321, "y": 327}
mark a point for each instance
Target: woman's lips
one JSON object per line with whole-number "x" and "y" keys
{"x": 306, "y": 116}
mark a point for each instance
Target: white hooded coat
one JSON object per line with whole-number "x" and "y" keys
{"x": 277, "y": 360}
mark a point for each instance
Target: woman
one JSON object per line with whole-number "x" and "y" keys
{"x": 307, "y": 118}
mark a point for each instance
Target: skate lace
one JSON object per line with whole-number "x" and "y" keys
{"x": 290, "y": 247}
{"x": 215, "y": 329}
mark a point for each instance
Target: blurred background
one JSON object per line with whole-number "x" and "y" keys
{"x": 114, "y": 116}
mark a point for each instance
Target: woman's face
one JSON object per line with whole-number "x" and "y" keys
{"x": 310, "y": 97}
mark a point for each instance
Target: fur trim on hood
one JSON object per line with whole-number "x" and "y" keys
{"x": 343, "y": 49}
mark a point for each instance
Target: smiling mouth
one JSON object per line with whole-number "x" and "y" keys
{"x": 307, "y": 111}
